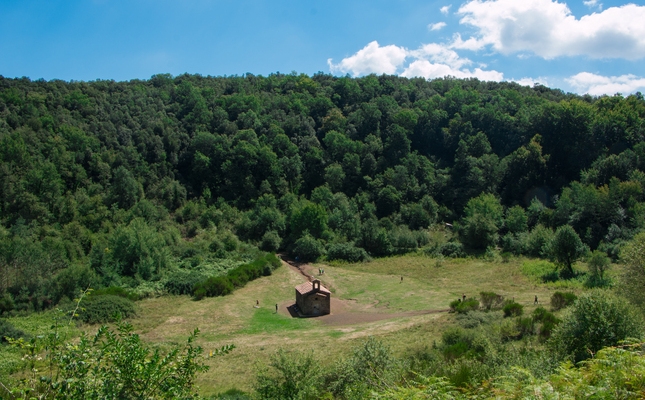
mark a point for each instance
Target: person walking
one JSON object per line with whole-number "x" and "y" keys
{"x": 276, "y": 308}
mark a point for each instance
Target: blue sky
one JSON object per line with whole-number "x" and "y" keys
{"x": 582, "y": 46}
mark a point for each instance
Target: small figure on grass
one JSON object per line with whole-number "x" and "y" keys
{"x": 401, "y": 279}
{"x": 536, "y": 300}
{"x": 276, "y": 308}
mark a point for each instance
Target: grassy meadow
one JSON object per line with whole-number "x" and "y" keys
{"x": 364, "y": 288}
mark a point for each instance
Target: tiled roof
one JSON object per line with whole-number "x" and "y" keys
{"x": 309, "y": 287}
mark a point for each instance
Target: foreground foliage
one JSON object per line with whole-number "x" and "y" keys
{"x": 111, "y": 364}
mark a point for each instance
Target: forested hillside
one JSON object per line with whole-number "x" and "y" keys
{"x": 131, "y": 183}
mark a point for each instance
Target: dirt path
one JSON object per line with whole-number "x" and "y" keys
{"x": 345, "y": 312}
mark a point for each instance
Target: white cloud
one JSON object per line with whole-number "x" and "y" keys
{"x": 548, "y": 29}
{"x": 428, "y": 70}
{"x": 439, "y": 53}
{"x": 445, "y": 9}
{"x": 371, "y": 59}
{"x": 431, "y": 60}
{"x": 593, "y": 4}
{"x": 531, "y": 81}
{"x": 596, "y": 85}
{"x": 437, "y": 26}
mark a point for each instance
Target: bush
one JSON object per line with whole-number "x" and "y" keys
{"x": 6, "y": 303}
{"x": 465, "y": 306}
{"x": 236, "y": 277}
{"x": 512, "y": 309}
{"x": 560, "y": 300}
{"x": 271, "y": 241}
{"x": 290, "y": 376}
{"x": 597, "y": 319}
{"x": 308, "y": 248}
{"x": 515, "y": 243}
{"x": 182, "y": 281}
{"x": 458, "y": 343}
{"x": 403, "y": 240}
{"x": 538, "y": 241}
{"x": 115, "y": 291}
{"x": 452, "y": 249}
{"x": 598, "y": 264}
{"x": 547, "y": 320}
{"x": 212, "y": 287}
{"x": 370, "y": 367}
{"x": 474, "y": 319}
{"x": 8, "y": 330}
{"x": 113, "y": 364}
{"x": 525, "y": 326}
{"x": 106, "y": 308}
{"x": 491, "y": 300}
{"x": 347, "y": 252}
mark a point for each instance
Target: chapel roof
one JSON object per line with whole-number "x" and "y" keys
{"x": 309, "y": 287}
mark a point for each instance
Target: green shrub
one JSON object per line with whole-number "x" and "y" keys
{"x": 271, "y": 241}
{"x": 474, "y": 319}
{"x": 538, "y": 241}
{"x": 115, "y": 291}
{"x": 491, "y": 300}
{"x": 547, "y": 320}
{"x": 525, "y": 326}
{"x": 515, "y": 243}
{"x": 458, "y": 343}
{"x": 236, "y": 277}
{"x": 112, "y": 364}
{"x": 470, "y": 304}
{"x": 452, "y": 249}
{"x": 512, "y": 309}
{"x": 290, "y": 376}
{"x": 370, "y": 367}
{"x": 212, "y": 287}
{"x": 105, "y": 308}
{"x": 347, "y": 252}
{"x": 308, "y": 248}
{"x": 8, "y": 330}
{"x": 182, "y": 281}
{"x": 273, "y": 260}
{"x": 233, "y": 394}
{"x": 597, "y": 319}
{"x": 560, "y": 300}
{"x": 6, "y": 303}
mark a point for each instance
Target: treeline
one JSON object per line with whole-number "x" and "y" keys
{"x": 109, "y": 183}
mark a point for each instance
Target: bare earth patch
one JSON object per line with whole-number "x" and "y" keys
{"x": 348, "y": 312}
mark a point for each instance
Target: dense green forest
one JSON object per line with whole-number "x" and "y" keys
{"x": 109, "y": 183}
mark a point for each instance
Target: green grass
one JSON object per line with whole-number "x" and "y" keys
{"x": 546, "y": 273}
{"x": 266, "y": 321}
{"x": 536, "y": 270}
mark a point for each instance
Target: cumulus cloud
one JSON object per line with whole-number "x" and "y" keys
{"x": 429, "y": 61}
{"x": 429, "y": 70}
{"x": 371, "y": 59}
{"x": 593, "y": 4}
{"x": 547, "y": 28}
{"x": 531, "y": 81}
{"x": 445, "y": 9}
{"x": 596, "y": 85}
{"x": 437, "y": 26}
{"x": 439, "y": 53}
